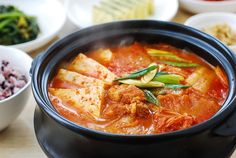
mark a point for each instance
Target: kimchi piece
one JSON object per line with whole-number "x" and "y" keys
{"x": 138, "y": 89}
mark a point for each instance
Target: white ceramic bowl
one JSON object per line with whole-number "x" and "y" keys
{"x": 200, "y": 6}
{"x": 50, "y": 15}
{"x": 12, "y": 106}
{"x": 204, "y": 20}
{"x": 80, "y": 11}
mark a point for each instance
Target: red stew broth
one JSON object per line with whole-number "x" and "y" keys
{"x": 131, "y": 113}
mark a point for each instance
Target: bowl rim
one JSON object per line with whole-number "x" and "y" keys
{"x": 76, "y": 22}
{"x": 208, "y": 15}
{"x": 53, "y": 114}
{"x": 27, "y": 57}
{"x": 210, "y": 3}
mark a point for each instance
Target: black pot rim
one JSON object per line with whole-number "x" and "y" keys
{"x": 210, "y": 123}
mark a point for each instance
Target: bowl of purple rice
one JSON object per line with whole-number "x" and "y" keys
{"x": 14, "y": 84}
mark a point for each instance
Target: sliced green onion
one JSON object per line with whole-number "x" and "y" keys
{"x": 150, "y": 97}
{"x": 161, "y": 73}
{"x": 139, "y": 83}
{"x": 139, "y": 73}
{"x": 170, "y": 78}
{"x": 176, "y": 86}
{"x": 154, "y": 52}
{"x": 180, "y": 64}
{"x": 165, "y": 54}
{"x": 172, "y": 57}
{"x": 149, "y": 76}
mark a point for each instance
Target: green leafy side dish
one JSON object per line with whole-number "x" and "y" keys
{"x": 16, "y": 27}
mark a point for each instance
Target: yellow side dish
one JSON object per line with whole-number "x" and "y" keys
{"x": 223, "y": 32}
{"x": 114, "y": 10}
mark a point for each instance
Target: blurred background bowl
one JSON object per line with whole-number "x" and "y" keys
{"x": 80, "y": 11}
{"x": 200, "y": 6}
{"x": 50, "y": 16}
{"x": 11, "y": 107}
{"x": 204, "y": 20}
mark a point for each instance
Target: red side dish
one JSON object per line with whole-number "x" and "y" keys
{"x": 215, "y": 0}
{"x": 138, "y": 89}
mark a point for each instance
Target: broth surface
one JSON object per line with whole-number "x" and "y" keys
{"x": 138, "y": 89}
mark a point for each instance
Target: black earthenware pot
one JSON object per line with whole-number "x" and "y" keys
{"x": 60, "y": 138}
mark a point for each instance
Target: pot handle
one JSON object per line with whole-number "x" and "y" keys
{"x": 234, "y": 55}
{"x": 228, "y": 127}
{"x": 35, "y": 61}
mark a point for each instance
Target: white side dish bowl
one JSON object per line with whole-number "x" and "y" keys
{"x": 80, "y": 11}
{"x": 50, "y": 16}
{"x": 200, "y": 6}
{"x": 204, "y": 20}
{"x": 11, "y": 107}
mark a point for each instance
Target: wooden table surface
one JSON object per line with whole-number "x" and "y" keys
{"x": 19, "y": 140}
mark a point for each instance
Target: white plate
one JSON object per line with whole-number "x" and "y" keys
{"x": 50, "y": 16}
{"x": 204, "y": 20}
{"x": 80, "y": 11}
{"x": 200, "y": 6}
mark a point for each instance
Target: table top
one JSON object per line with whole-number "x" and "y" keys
{"x": 19, "y": 140}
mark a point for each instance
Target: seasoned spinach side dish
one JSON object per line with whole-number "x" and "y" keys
{"x": 16, "y": 27}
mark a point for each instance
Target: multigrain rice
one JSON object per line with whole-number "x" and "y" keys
{"x": 11, "y": 80}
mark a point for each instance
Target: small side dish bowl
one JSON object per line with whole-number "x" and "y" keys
{"x": 11, "y": 107}
{"x": 200, "y": 6}
{"x": 205, "y": 20}
{"x": 80, "y": 12}
{"x": 50, "y": 16}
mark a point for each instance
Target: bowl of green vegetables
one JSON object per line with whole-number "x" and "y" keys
{"x": 28, "y": 25}
{"x": 16, "y": 27}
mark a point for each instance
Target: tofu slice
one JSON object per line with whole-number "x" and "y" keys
{"x": 87, "y": 99}
{"x": 79, "y": 80}
{"x": 89, "y": 67}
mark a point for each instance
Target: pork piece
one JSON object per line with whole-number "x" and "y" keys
{"x": 88, "y": 99}
{"x": 89, "y": 67}
{"x": 166, "y": 120}
{"x": 69, "y": 79}
{"x": 125, "y": 93}
{"x": 126, "y": 100}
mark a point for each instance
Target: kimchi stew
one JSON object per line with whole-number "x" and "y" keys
{"x": 138, "y": 89}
